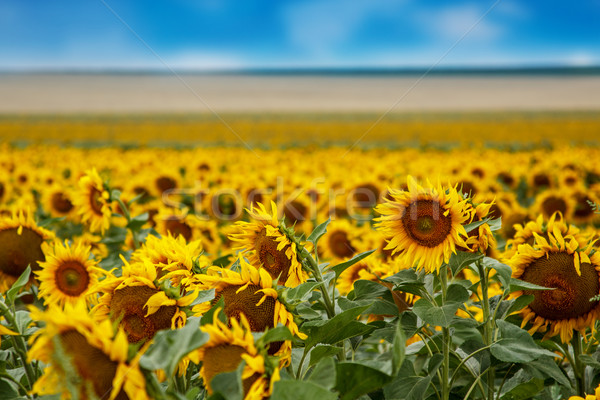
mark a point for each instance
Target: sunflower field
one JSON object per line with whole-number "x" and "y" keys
{"x": 289, "y": 271}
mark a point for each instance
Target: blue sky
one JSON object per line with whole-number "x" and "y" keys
{"x": 230, "y": 34}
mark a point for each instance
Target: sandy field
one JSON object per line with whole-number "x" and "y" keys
{"x": 21, "y": 93}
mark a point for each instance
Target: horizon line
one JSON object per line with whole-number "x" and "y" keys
{"x": 338, "y": 70}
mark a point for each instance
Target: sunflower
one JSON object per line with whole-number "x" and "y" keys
{"x": 481, "y": 238}
{"x": 343, "y": 240}
{"x": 227, "y": 347}
{"x": 267, "y": 246}
{"x": 58, "y": 200}
{"x": 249, "y": 292}
{"x": 177, "y": 222}
{"x": 524, "y": 234}
{"x": 567, "y": 265}
{"x": 92, "y": 202}
{"x": 137, "y": 302}
{"x": 171, "y": 256}
{"x": 21, "y": 242}
{"x": 550, "y": 201}
{"x": 68, "y": 274}
{"x": 423, "y": 224}
{"x": 83, "y": 356}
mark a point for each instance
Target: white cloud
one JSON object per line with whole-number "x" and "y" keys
{"x": 453, "y": 22}
{"x": 318, "y": 26}
{"x": 199, "y": 60}
{"x": 581, "y": 59}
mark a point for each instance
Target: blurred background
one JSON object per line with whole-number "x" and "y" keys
{"x": 374, "y": 56}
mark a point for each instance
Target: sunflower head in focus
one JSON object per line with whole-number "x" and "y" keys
{"x": 268, "y": 247}
{"x": 524, "y": 233}
{"x": 567, "y": 266}
{"x": 251, "y": 293}
{"x": 139, "y": 304}
{"x": 227, "y": 347}
{"x": 423, "y": 224}
{"x": 68, "y": 275}
{"x": 173, "y": 257}
{"x": 83, "y": 356}
{"x": 93, "y": 202}
{"x": 21, "y": 242}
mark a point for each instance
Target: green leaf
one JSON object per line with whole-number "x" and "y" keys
{"x": 170, "y": 346}
{"x": 338, "y": 269}
{"x": 229, "y": 384}
{"x": 222, "y": 261}
{"x": 434, "y": 314}
{"x": 204, "y": 296}
{"x": 355, "y": 379}
{"x": 324, "y": 373}
{"x": 516, "y": 345}
{"x": 495, "y": 224}
{"x": 476, "y": 224}
{"x": 300, "y": 390}
{"x": 342, "y": 326}
{"x": 19, "y": 284}
{"x": 208, "y": 316}
{"x": 517, "y": 284}
{"x": 277, "y": 334}
{"x": 546, "y": 366}
{"x": 300, "y": 292}
{"x": 461, "y": 260}
{"x": 589, "y": 360}
{"x": 519, "y": 303}
{"x": 398, "y": 348}
{"x": 521, "y": 386}
{"x": 407, "y": 388}
{"x": 7, "y": 390}
{"x": 138, "y": 221}
{"x": 319, "y": 231}
{"x": 457, "y": 293}
{"x": 504, "y": 271}
{"x": 364, "y": 289}
{"x": 321, "y": 351}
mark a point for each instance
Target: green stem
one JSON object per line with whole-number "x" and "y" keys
{"x": 464, "y": 360}
{"x": 488, "y": 327}
{"x": 447, "y": 339}
{"x": 578, "y": 366}
{"x": 329, "y": 306}
{"x": 19, "y": 344}
{"x": 301, "y": 363}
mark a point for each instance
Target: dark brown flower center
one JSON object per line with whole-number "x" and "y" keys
{"x": 224, "y": 358}
{"x": 340, "y": 245}
{"x": 72, "y": 278}
{"x": 165, "y": 183}
{"x": 295, "y": 212}
{"x": 128, "y": 304}
{"x": 425, "y": 223}
{"x": 95, "y": 369}
{"x": 178, "y": 227}
{"x": 259, "y": 317}
{"x": 61, "y": 203}
{"x": 541, "y": 180}
{"x": 19, "y": 251}
{"x": 96, "y": 201}
{"x": 552, "y": 204}
{"x": 572, "y": 293}
{"x": 273, "y": 260}
{"x": 582, "y": 207}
